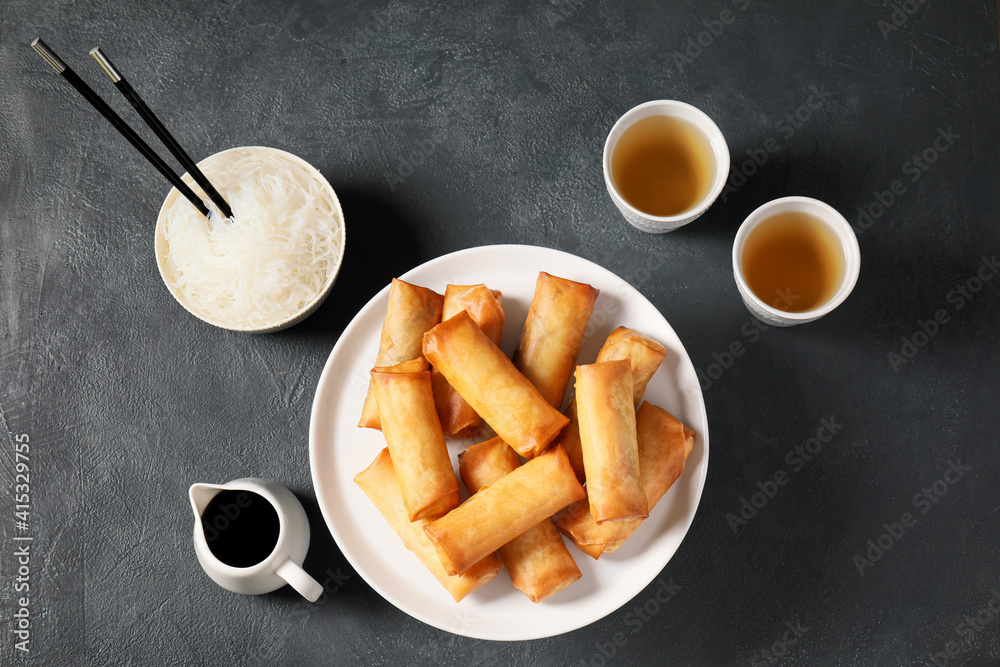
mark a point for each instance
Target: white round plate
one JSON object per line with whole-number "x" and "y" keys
{"x": 338, "y": 450}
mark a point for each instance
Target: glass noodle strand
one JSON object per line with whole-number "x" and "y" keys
{"x": 272, "y": 258}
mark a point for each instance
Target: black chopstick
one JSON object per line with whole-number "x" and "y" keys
{"x": 74, "y": 80}
{"x": 154, "y": 123}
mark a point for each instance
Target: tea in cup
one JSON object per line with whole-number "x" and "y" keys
{"x": 665, "y": 162}
{"x": 795, "y": 259}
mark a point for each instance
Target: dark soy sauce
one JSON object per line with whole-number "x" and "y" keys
{"x": 241, "y": 527}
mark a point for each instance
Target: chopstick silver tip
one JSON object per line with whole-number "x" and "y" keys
{"x": 50, "y": 57}
{"x": 105, "y": 64}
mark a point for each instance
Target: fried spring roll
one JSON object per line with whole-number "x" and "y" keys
{"x": 623, "y": 343}
{"x": 487, "y": 379}
{"x": 485, "y": 306}
{"x": 664, "y": 446}
{"x": 608, "y": 440}
{"x": 411, "y": 311}
{"x": 412, "y": 431}
{"x": 503, "y": 510}
{"x": 412, "y": 366}
{"x": 552, "y": 334}
{"x": 537, "y": 561}
{"x": 378, "y": 481}
{"x": 643, "y": 352}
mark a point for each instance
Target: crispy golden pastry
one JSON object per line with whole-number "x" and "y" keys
{"x": 412, "y": 431}
{"x": 552, "y": 334}
{"x": 411, "y": 311}
{"x": 623, "y": 343}
{"x": 487, "y": 379}
{"x": 664, "y": 446}
{"x": 643, "y": 352}
{"x": 537, "y": 560}
{"x": 505, "y": 509}
{"x": 378, "y": 481}
{"x": 485, "y": 306}
{"x": 608, "y": 439}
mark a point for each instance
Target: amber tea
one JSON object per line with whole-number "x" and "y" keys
{"x": 793, "y": 262}
{"x": 663, "y": 165}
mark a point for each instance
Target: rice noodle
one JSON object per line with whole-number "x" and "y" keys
{"x": 268, "y": 261}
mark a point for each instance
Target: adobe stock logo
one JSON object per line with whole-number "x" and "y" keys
{"x": 789, "y": 637}
{"x": 419, "y": 152}
{"x": 894, "y": 532}
{"x": 957, "y": 297}
{"x": 229, "y": 513}
{"x": 562, "y": 10}
{"x": 635, "y": 620}
{"x": 797, "y": 458}
{"x": 968, "y": 629}
{"x": 714, "y": 28}
{"x": 724, "y": 360}
{"x": 371, "y": 30}
{"x": 786, "y": 126}
{"x": 900, "y": 16}
{"x": 918, "y": 164}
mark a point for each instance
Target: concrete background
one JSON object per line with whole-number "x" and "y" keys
{"x": 125, "y": 399}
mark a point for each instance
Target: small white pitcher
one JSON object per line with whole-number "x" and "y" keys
{"x": 283, "y": 565}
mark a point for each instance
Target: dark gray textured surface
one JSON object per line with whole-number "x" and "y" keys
{"x": 127, "y": 399}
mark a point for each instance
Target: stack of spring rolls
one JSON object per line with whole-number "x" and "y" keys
{"x": 439, "y": 372}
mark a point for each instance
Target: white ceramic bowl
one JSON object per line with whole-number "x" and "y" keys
{"x": 288, "y": 320}
{"x": 828, "y": 216}
{"x": 661, "y": 224}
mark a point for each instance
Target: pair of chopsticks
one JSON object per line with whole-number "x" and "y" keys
{"x": 148, "y": 116}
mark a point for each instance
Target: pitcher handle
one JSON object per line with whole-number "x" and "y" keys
{"x": 298, "y": 579}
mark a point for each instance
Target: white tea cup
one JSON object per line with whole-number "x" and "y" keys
{"x": 284, "y": 563}
{"x": 720, "y": 167}
{"x": 835, "y": 222}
